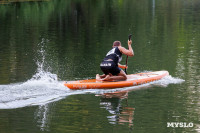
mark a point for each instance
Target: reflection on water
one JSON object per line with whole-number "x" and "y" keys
{"x": 41, "y": 116}
{"x": 120, "y": 114}
{"x": 187, "y": 67}
{"x": 123, "y": 114}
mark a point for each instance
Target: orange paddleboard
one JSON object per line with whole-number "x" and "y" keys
{"x": 132, "y": 80}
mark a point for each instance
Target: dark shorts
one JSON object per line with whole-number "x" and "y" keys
{"x": 109, "y": 67}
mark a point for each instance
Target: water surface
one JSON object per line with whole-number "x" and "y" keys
{"x": 43, "y": 44}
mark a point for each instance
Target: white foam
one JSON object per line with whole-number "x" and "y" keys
{"x": 42, "y": 88}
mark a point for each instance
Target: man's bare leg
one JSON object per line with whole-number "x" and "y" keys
{"x": 99, "y": 77}
{"x": 106, "y": 78}
{"x": 120, "y": 76}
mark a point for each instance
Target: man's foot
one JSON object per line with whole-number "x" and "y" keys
{"x": 106, "y": 78}
{"x": 98, "y": 77}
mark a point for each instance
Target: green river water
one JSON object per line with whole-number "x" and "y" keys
{"x": 44, "y": 43}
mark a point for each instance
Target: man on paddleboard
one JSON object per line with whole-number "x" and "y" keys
{"x": 110, "y": 64}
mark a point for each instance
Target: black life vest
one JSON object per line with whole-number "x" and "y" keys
{"x": 114, "y": 54}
